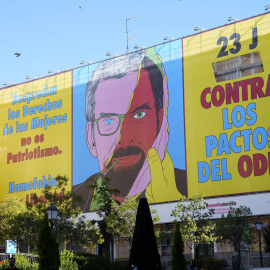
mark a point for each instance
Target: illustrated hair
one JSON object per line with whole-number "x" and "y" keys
{"x": 117, "y": 68}
{"x": 156, "y": 80}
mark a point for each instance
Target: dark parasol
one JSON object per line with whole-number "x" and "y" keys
{"x": 144, "y": 252}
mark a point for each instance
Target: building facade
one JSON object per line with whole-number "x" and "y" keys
{"x": 185, "y": 117}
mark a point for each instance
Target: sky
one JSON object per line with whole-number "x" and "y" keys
{"x": 57, "y": 35}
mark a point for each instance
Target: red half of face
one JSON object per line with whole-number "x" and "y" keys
{"x": 139, "y": 127}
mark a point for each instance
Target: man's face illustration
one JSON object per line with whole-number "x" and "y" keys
{"x": 112, "y": 97}
{"x": 137, "y": 131}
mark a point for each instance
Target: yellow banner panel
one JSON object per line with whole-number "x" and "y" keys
{"x": 35, "y": 138}
{"x": 227, "y": 99}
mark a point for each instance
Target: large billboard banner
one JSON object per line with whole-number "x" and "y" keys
{"x": 227, "y": 97}
{"x": 186, "y": 117}
{"x": 35, "y": 139}
{"x": 130, "y": 125}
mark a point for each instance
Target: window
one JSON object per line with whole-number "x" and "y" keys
{"x": 238, "y": 67}
{"x": 166, "y": 244}
{"x": 204, "y": 250}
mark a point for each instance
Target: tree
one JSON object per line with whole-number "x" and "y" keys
{"x": 10, "y": 207}
{"x": 194, "y": 218}
{"x": 65, "y": 200}
{"x": 102, "y": 203}
{"x": 48, "y": 249}
{"x": 178, "y": 259}
{"x": 122, "y": 217}
{"x": 26, "y": 228}
{"x": 18, "y": 223}
{"x": 266, "y": 236}
{"x": 118, "y": 220}
{"x": 70, "y": 226}
{"x": 23, "y": 222}
{"x": 82, "y": 233}
{"x": 235, "y": 230}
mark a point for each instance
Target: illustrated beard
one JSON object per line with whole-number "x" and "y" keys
{"x": 122, "y": 178}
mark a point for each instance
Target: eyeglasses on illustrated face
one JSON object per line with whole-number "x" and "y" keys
{"x": 109, "y": 124}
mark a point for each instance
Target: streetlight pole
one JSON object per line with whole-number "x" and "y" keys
{"x": 260, "y": 249}
{"x": 52, "y": 213}
{"x": 259, "y": 226}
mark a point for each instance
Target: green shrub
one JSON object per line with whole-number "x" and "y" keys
{"x": 48, "y": 249}
{"x": 4, "y": 265}
{"x": 211, "y": 264}
{"x": 22, "y": 263}
{"x": 178, "y": 259}
{"x": 67, "y": 261}
{"x": 119, "y": 265}
{"x": 87, "y": 261}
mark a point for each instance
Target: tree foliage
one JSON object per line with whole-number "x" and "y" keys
{"x": 68, "y": 261}
{"x": 70, "y": 225}
{"x": 26, "y": 228}
{"x": 178, "y": 259}
{"x": 118, "y": 219}
{"x": 48, "y": 249}
{"x": 61, "y": 197}
{"x": 235, "y": 230}
{"x": 195, "y": 224}
{"x": 122, "y": 217}
{"x": 81, "y": 232}
{"x": 23, "y": 222}
{"x": 102, "y": 203}
{"x": 10, "y": 208}
{"x": 18, "y": 223}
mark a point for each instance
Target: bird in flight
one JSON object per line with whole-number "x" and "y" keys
{"x": 80, "y": 7}
{"x": 17, "y": 54}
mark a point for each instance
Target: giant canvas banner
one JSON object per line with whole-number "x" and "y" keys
{"x": 129, "y": 125}
{"x": 35, "y": 138}
{"x": 227, "y": 98}
{"x": 186, "y": 117}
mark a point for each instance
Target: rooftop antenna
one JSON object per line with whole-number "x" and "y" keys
{"x": 128, "y": 38}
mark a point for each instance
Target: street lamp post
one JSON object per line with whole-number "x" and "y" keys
{"x": 259, "y": 226}
{"x": 52, "y": 213}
